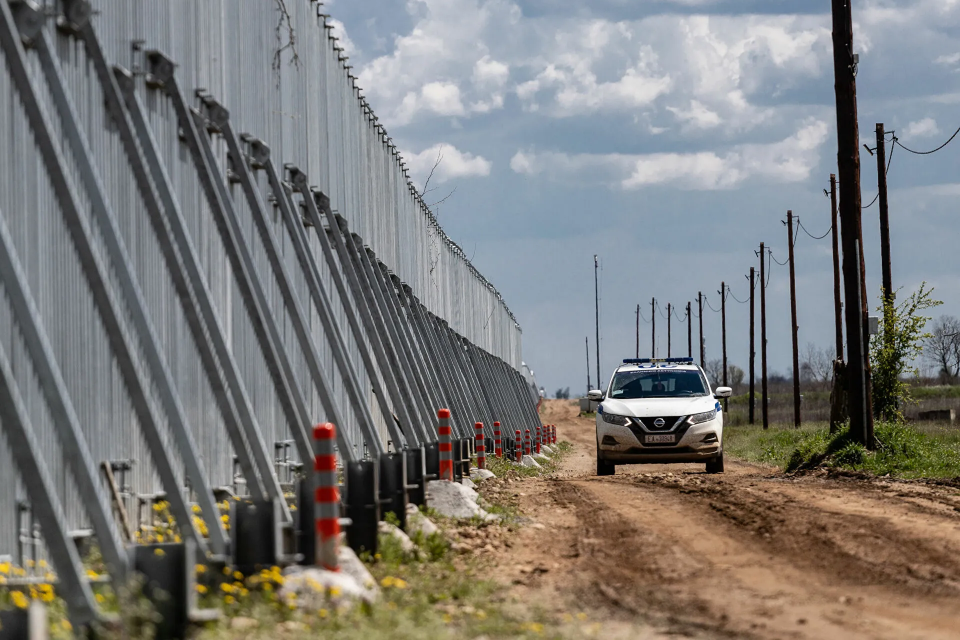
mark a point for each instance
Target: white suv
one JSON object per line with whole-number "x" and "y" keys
{"x": 657, "y": 411}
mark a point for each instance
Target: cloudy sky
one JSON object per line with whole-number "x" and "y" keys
{"x": 670, "y": 137}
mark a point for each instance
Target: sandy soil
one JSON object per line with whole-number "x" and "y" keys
{"x": 666, "y": 550}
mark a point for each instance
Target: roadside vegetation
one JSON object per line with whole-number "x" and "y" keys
{"x": 903, "y": 450}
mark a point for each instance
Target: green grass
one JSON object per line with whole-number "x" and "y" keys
{"x": 903, "y": 451}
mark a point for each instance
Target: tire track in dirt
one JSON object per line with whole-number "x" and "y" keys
{"x": 669, "y": 550}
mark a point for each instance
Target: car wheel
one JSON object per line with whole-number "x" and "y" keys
{"x": 715, "y": 465}
{"x": 604, "y": 468}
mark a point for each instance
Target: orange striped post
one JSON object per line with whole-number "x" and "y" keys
{"x": 497, "y": 448}
{"x": 481, "y": 446}
{"x": 519, "y": 447}
{"x": 327, "y": 498}
{"x": 526, "y": 443}
{"x": 446, "y": 445}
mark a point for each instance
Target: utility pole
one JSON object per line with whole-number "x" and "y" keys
{"x": 753, "y": 349}
{"x": 587, "y": 341}
{"x": 653, "y": 327}
{"x": 848, "y": 162}
{"x": 794, "y": 328}
{"x": 835, "y": 231}
{"x": 596, "y": 294}
{"x": 689, "y": 331}
{"x": 723, "y": 327}
{"x": 884, "y": 216}
{"x": 669, "y": 326}
{"x": 764, "y": 413}
{"x": 638, "y": 331}
{"x": 703, "y": 354}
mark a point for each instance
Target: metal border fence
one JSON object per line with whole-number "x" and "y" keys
{"x": 208, "y": 244}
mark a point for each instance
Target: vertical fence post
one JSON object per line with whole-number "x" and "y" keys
{"x": 497, "y": 450}
{"x": 481, "y": 447}
{"x": 327, "y": 509}
{"x": 446, "y": 445}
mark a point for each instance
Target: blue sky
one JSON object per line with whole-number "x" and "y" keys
{"x": 670, "y": 137}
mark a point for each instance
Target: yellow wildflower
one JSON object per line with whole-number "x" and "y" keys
{"x": 335, "y": 592}
{"x": 201, "y": 589}
{"x": 196, "y": 508}
{"x": 237, "y": 575}
{"x": 229, "y": 600}
{"x": 226, "y": 587}
{"x": 226, "y": 571}
{"x": 201, "y": 568}
{"x": 42, "y": 564}
{"x": 159, "y": 552}
{"x": 19, "y": 600}
{"x": 323, "y": 613}
{"x": 65, "y": 625}
{"x": 92, "y": 575}
{"x": 267, "y": 587}
{"x": 581, "y": 616}
{"x": 4, "y": 568}
{"x": 447, "y": 618}
{"x": 99, "y": 598}
{"x": 30, "y": 563}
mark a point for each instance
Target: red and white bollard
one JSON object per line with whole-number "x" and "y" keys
{"x": 526, "y": 443}
{"x": 519, "y": 447}
{"x": 481, "y": 446}
{"x": 497, "y": 449}
{"x": 446, "y": 444}
{"x": 553, "y": 434}
{"x": 326, "y": 498}
{"x": 539, "y": 439}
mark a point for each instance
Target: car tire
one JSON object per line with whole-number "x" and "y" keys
{"x": 715, "y": 465}
{"x": 604, "y": 468}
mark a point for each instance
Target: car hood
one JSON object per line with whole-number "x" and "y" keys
{"x": 655, "y": 407}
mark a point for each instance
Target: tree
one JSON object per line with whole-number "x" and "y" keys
{"x": 816, "y": 365}
{"x": 562, "y": 394}
{"x": 942, "y": 348}
{"x": 735, "y": 376}
{"x": 714, "y": 372}
{"x": 895, "y": 348}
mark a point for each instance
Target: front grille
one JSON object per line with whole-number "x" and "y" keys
{"x": 640, "y": 433}
{"x": 668, "y": 422}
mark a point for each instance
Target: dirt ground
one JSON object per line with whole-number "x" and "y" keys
{"x": 668, "y": 551}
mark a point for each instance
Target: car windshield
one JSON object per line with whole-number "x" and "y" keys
{"x": 657, "y": 383}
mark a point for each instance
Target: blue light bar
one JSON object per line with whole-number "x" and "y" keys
{"x": 649, "y": 360}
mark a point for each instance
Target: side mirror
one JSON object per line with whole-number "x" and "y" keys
{"x": 595, "y": 395}
{"x": 723, "y": 392}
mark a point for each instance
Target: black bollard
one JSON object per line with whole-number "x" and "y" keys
{"x": 393, "y": 487}
{"x": 457, "y": 445}
{"x": 306, "y": 521}
{"x": 164, "y": 569}
{"x": 253, "y": 533}
{"x": 362, "y": 506}
{"x": 431, "y": 458}
{"x": 416, "y": 477}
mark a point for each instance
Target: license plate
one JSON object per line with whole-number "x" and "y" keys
{"x": 665, "y": 438}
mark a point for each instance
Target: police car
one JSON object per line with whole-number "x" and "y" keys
{"x": 657, "y": 411}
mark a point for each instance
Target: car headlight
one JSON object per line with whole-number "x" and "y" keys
{"x": 706, "y": 416}
{"x": 612, "y": 418}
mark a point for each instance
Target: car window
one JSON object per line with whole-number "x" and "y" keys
{"x": 657, "y": 383}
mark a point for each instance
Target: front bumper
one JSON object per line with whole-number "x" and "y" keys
{"x": 624, "y": 445}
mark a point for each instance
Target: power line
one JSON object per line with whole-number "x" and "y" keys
{"x": 896, "y": 141}
{"x": 887, "y": 171}
{"x": 709, "y": 306}
{"x": 730, "y": 293}
{"x": 800, "y": 224}
{"x": 782, "y": 264}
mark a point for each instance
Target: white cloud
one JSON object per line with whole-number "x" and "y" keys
{"x": 339, "y": 31}
{"x": 948, "y": 60}
{"x": 453, "y": 163}
{"x": 786, "y": 161}
{"x": 921, "y": 129}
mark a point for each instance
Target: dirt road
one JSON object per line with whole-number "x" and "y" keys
{"x": 665, "y": 550}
